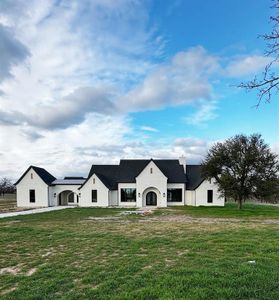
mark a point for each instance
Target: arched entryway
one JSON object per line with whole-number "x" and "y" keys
{"x": 151, "y": 199}
{"x": 66, "y": 198}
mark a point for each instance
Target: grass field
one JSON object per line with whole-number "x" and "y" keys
{"x": 178, "y": 253}
{"x": 8, "y": 203}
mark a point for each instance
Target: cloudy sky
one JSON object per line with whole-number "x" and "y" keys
{"x": 94, "y": 81}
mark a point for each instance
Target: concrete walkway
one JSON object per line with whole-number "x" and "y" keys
{"x": 32, "y": 211}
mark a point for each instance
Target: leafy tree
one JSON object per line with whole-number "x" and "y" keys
{"x": 268, "y": 83}
{"x": 243, "y": 167}
{"x": 6, "y": 186}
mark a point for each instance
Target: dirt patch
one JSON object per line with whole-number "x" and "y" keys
{"x": 193, "y": 220}
{"x": 7, "y": 291}
{"x": 10, "y": 270}
{"x": 49, "y": 252}
{"x": 147, "y": 267}
{"x": 31, "y": 272}
{"x": 102, "y": 218}
{"x": 180, "y": 253}
{"x": 7, "y": 224}
{"x": 270, "y": 221}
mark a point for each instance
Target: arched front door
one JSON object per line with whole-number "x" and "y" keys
{"x": 151, "y": 198}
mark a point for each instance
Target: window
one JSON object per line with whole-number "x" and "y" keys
{"x": 93, "y": 180}
{"x": 174, "y": 195}
{"x": 71, "y": 197}
{"x": 32, "y": 196}
{"x": 151, "y": 170}
{"x": 128, "y": 195}
{"x": 94, "y": 195}
{"x": 209, "y": 196}
{"x": 31, "y": 175}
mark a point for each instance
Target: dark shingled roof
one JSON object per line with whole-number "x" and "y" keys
{"x": 74, "y": 177}
{"x": 42, "y": 173}
{"x": 169, "y": 167}
{"x": 108, "y": 174}
{"x": 194, "y": 178}
{"x": 129, "y": 169}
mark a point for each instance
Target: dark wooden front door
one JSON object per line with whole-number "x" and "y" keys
{"x": 151, "y": 198}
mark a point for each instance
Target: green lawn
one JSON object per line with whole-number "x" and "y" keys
{"x": 229, "y": 211}
{"x": 178, "y": 253}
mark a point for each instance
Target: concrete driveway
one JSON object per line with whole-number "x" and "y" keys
{"x": 32, "y": 211}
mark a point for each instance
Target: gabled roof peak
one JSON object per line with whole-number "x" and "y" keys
{"x": 41, "y": 172}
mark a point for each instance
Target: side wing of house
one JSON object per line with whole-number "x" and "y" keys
{"x": 206, "y": 194}
{"x": 32, "y": 191}
{"x": 94, "y": 193}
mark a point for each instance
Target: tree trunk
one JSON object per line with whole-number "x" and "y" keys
{"x": 239, "y": 203}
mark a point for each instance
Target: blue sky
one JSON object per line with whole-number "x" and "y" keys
{"x": 94, "y": 81}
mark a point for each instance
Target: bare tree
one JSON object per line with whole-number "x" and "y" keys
{"x": 268, "y": 83}
{"x": 6, "y": 186}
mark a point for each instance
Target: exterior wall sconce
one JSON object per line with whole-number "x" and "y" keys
{"x": 139, "y": 195}
{"x": 54, "y": 195}
{"x": 164, "y": 195}
{"x": 79, "y": 194}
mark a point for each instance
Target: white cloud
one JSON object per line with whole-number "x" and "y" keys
{"x": 246, "y": 65}
{"x": 78, "y": 68}
{"x": 148, "y": 128}
{"x": 72, "y": 49}
{"x": 205, "y": 113}
{"x": 12, "y": 52}
{"x": 183, "y": 80}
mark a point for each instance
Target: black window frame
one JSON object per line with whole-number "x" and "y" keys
{"x": 172, "y": 194}
{"x": 128, "y": 194}
{"x": 209, "y": 196}
{"x": 94, "y": 198}
{"x": 32, "y": 196}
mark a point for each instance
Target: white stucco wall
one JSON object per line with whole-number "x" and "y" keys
{"x": 102, "y": 193}
{"x": 57, "y": 189}
{"x": 190, "y": 197}
{"x": 113, "y": 198}
{"x": 177, "y": 186}
{"x": 126, "y": 186}
{"x": 37, "y": 184}
{"x": 156, "y": 180}
{"x": 201, "y": 195}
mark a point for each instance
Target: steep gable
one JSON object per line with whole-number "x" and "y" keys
{"x": 41, "y": 172}
{"x": 150, "y": 169}
{"x": 129, "y": 169}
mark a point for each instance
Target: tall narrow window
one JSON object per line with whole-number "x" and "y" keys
{"x": 151, "y": 170}
{"x": 31, "y": 175}
{"x": 94, "y": 195}
{"x": 32, "y": 197}
{"x": 93, "y": 180}
{"x": 209, "y": 196}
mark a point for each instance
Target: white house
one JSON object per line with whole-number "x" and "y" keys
{"x": 131, "y": 183}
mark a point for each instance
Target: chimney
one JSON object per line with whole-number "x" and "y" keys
{"x": 182, "y": 161}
